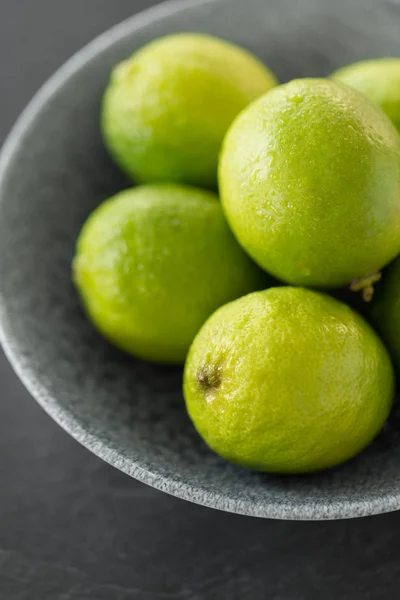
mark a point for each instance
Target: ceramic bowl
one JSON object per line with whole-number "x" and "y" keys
{"x": 54, "y": 171}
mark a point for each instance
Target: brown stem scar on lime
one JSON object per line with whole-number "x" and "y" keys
{"x": 365, "y": 285}
{"x": 209, "y": 377}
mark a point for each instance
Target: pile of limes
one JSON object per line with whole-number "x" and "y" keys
{"x": 279, "y": 378}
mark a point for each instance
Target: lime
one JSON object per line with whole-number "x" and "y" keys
{"x": 310, "y": 183}
{"x": 379, "y": 80}
{"x": 288, "y": 380}
{"x": 168, "y": 107}
{"x": 152, "y": 263}
{"x": 384, "y": 310}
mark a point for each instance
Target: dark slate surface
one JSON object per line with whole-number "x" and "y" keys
{"x": 72, "y": 528}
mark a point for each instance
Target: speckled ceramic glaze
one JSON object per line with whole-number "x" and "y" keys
{"x": 54, "y": 171}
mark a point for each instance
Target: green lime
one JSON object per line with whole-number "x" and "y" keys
{"x": 384, "y": 310}
{"x": 168, "y": 107}
{"x": 288, "y": 380}
{"x": 310, "y": 183}
{"x": 152, "y": 263}
{"x": 379, "y": 80}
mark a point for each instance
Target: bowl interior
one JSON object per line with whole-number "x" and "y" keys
{"x": 54, "y": 171}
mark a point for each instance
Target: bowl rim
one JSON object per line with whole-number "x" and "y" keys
{"x": 318, "y": 510}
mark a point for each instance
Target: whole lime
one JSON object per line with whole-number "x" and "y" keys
{"x": 288, "y": 380}
{"x": 152, "y": 263}
{"x": 310, "y": 183}
{"x": 384, "y": 310}
{"x": 168, "y": 107}
{"x": 379, "y": 80}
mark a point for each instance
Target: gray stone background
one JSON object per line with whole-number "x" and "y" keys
{"x": 73, "y": 528}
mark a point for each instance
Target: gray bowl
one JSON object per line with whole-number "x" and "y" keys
{"x": 54, "y": 171}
